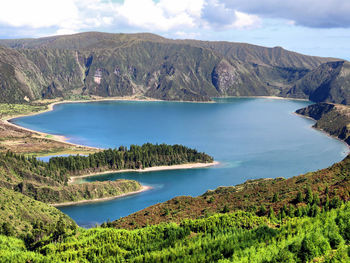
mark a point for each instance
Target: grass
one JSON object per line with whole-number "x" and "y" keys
{"x": 8, "y": 110}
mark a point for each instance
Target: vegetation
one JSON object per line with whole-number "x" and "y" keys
{"x": 17, "y": 217}
{"x": 232, "y": 237}
{"x": 136, "y": 157}
{"x": 106, "y": 65}
{"x": 48, "y": 182}
{"x": 329, "y": 82}
{"x": 301, "y": 219}
{"x": 305, "y": 194}
{"x": 33, "y": 178}
{"x": 7, "y": 109}
{"x": 333, "y": 119}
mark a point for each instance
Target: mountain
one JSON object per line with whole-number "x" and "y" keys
{"x": 329, "y": 82}
{"x": 148, "y": 65}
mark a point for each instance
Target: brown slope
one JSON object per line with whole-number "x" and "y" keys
{"x": 248, "y": 196}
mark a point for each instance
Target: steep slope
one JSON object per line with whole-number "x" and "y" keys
{"x": 294, "y": 195}
{"x": 145, "y": 65}
{"x": 331, "y": 118}
{"x": 21, "y": 214}
{"x": 20, "y": 78}
{"x": 330, "y": 82}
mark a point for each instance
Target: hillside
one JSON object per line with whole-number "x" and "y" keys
{"x": 332, "y": 118}
{"x": 329, "y": 82}
{"x": 17, "y": 217}
{"x": 102, "y": 64}
{"x": 49, "y": 182}
{"x": 283, "y": 195}
{"x": 231, "y": 237}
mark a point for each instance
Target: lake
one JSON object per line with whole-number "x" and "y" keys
{"x": 250, "y": 137}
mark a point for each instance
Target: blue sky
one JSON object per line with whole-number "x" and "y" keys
{"x": 308, "y": 26}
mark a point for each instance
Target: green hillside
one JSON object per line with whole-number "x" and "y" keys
{"x": 325, "y": 187}
{"x": 233, "y": 237}
{"x": 301, "y": 219}
{"x": 21, "y": 215}
{"x": 102, "y": 64}
{"x": 330, "y": 82}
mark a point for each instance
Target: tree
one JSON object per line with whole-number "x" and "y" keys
{"x": 299, "y": 197}
{"x": 275, "y": 198}
{"x": 271, "y": 213}
{"x": 309, "y": 198}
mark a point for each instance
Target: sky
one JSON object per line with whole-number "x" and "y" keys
{"x": 314, "y": 27}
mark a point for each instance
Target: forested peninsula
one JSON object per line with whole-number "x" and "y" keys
{"x": 49, "y": 182}
{"x": 299, "y": 219}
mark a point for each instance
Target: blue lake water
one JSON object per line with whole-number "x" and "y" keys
{"x": 251, "y": 138}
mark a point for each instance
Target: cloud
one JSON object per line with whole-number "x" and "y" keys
{"x": 308, "y": 13}
{"x": 65, "y": 16}
{"x": 164, "y": 15}
{"x": 70, "y": 16}
{"x": 37, "y": 13}
{"x": 220, "y": 16}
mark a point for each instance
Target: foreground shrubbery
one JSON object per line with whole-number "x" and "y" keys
{"x": 233, "y": 237}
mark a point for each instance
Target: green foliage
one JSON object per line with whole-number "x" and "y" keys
{"x": 7, "y": 109}
{"x": 299, "y": 197}
{"x": 136, "y": 157}
{"x": 48, "y": 182}
{"x": 230, "y": 237}
{"x": 309, "y": 198}
{"x": 21, "y": 215}
{"x": 275, "y": 198}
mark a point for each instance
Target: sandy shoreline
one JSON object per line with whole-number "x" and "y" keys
{"x": 59, "y": 138}
{"x": 7, "y": 120}
{"x": 149, "y": 169}
{"x": 263, "y": 97}
{"x": 143, "y": 189}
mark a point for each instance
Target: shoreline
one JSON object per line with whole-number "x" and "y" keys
{"x": 62, "y": 139}
{"x": 264, "y": 97}
{"x": 323, "y": 131}
{"x": 72, "y": 179}
{"x": 143, "y": 189}
{"x": 50, "y": 107}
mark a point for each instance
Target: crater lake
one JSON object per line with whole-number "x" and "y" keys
{"x": 250, "y": 137}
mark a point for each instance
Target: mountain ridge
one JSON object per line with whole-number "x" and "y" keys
{"x": 144, "y": 64}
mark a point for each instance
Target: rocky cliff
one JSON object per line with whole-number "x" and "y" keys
{"x": 148, "y": 65}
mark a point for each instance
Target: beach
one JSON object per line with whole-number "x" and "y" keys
{"x": 50, "y": 107}
{"x": 148, "y": 169}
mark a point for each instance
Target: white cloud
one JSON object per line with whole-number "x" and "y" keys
{"x": 71, "y": 16}
{"x": 37, "y": 13}
{"x": 217, "y": 14}
{"x": 164, "y": 15}
{"x": 246, "y": 21}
